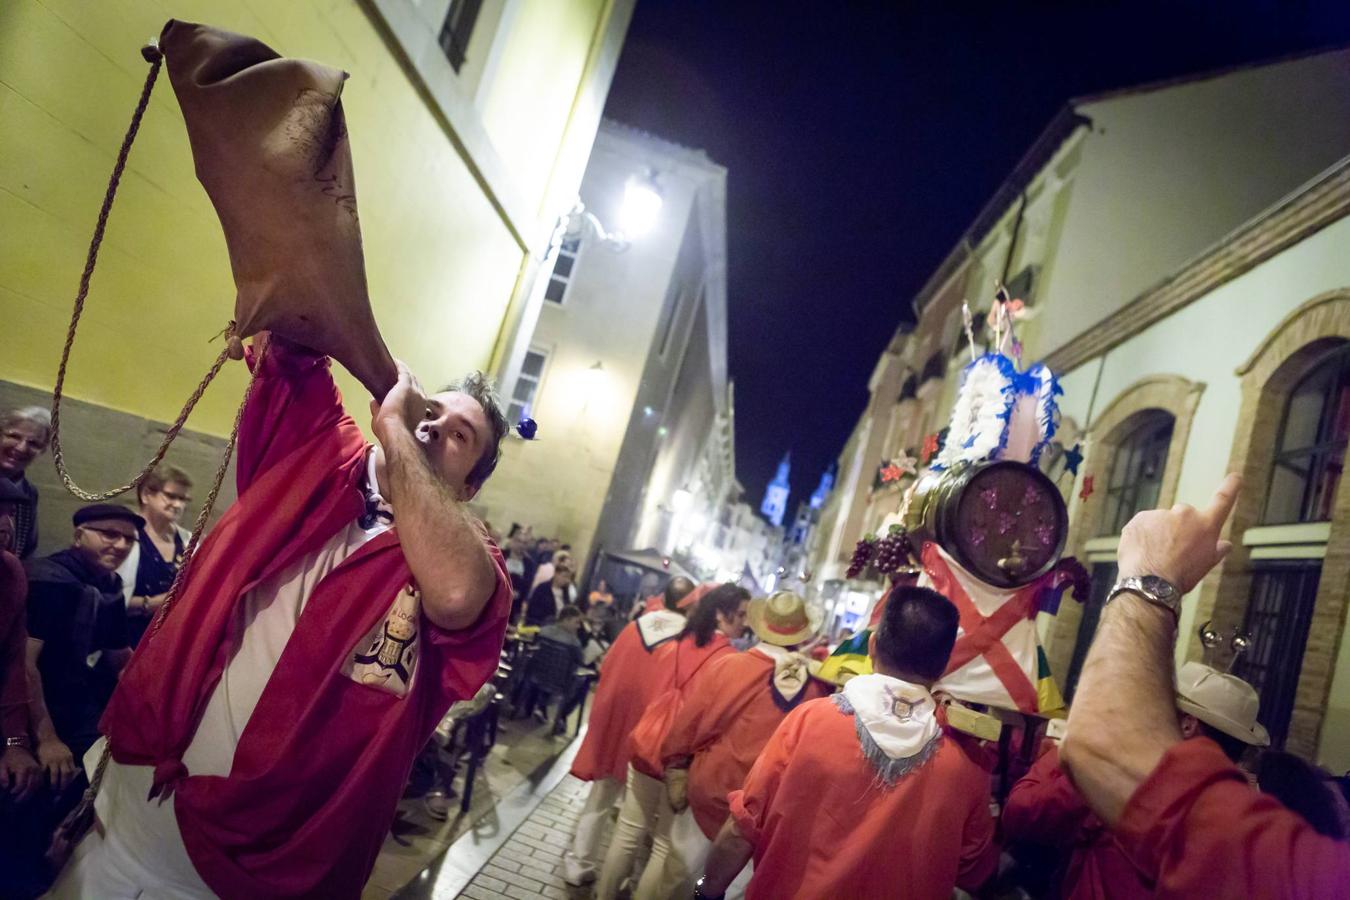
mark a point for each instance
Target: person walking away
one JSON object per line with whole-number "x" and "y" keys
{"x": 731, "y": 710}
{"x": 645, "y": 811}
{"x": 625, "y": 688}
{"x": 865, "y": 793}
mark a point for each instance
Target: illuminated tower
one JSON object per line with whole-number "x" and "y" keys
{"x": 776, "y": 494}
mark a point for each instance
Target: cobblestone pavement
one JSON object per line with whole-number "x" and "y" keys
{"x": 529, "y": 864}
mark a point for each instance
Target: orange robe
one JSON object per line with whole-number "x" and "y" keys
{"x": 627, "y": 685}
{"x": 823, "y": 826}
{"x": 676, "y": 666}
{"x": 730, "y": 713}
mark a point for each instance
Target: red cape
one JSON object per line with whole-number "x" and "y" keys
{"x": 323, "y": 760}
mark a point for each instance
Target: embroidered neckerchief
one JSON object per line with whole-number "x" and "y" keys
{"x": 658, "y": 627}
{"x": 790, "y": 675}
{"x": 896, "y": 722}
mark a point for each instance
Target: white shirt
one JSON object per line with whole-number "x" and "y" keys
{"x": 265, "y": 619}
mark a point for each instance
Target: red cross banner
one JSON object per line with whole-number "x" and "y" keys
{"x": 994, "y": 660}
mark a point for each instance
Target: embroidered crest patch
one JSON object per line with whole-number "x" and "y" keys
{"x": 386, "y": 657}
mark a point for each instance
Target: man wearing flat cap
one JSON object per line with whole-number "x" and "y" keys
{"x": 77, "y": 645}
{"x": 77, "y": 639}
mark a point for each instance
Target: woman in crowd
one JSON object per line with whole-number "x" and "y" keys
{"x": 719, "y": 616}
{"x": 24, "y": 435}
{"x": 149, "y": 569}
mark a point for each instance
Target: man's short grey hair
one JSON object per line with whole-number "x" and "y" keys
{"x": 34, "y": 415}
{"x": 479, "y": 387}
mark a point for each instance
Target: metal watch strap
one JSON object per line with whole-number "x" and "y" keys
{"x": 1153, "y": 589}
{"x": 18, "y": 741}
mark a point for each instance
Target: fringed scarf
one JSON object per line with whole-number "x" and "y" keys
{"x": 896, "y": 722}
{"x": 790, "y": 675}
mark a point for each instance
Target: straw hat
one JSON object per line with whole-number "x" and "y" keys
{"x": 782, "y": 619}
{"x": 1221, "y": 701}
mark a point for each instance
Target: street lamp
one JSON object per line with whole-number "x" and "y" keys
{"x": 638, "y": 212}
{"x": 641, "y": 205}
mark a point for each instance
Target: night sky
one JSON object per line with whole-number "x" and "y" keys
{"x": 862, "y": 139}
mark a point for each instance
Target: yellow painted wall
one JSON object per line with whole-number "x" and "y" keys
{"x": 441, "y": 262}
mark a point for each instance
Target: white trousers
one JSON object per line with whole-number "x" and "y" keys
{"x": 140, "y": 855}
{"x": 639, "y": 817}
{"x": 581, "y": 861}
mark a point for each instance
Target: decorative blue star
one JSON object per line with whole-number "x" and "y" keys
{"x": 1073, "y": 458}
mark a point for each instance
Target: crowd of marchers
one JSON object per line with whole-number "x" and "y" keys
{"x": 719, "y": 763}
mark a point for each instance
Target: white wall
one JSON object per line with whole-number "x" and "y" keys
{"x": 1166, "y": 173}
{"x": 1205, "y": 342}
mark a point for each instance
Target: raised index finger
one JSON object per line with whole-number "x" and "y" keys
{"x": 1222, "y": 504}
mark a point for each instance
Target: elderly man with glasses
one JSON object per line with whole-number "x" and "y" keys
{"x": 77, "y": 635}
{"x": 77, "y": 645}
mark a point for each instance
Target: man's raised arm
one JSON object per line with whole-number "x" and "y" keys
{"x": 441, "y": 540}
{"x": 1124, "y": 713}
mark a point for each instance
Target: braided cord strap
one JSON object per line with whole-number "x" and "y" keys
{"x": 156, "y": 60}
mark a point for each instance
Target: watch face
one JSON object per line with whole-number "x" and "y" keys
{"x": 1010, "y": 524}
{"x": 1158, "y": 587}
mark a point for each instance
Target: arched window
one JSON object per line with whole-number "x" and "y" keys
{"x": 936, "y": 367}
{"x": 1136, "y": 475}
{"x": 1310, "y": 452}
{"x": 909, "y": 389}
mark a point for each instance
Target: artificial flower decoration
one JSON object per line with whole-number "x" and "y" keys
{"x": 930, "y": 447}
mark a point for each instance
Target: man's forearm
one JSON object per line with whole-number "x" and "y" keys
{"x": 729, "y": 854}
{"x": 41, "y": 719}
{"x": 440, "y": 539}
{"x": 1123, "y": 717}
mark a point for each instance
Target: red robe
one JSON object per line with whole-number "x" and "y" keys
{"x": 628, "y": 682}
{"x": 676, "y": 666}
{"x": 1045, "y": 808}
{"x": 1196, "y": 827}
{"x": 323, "y": 760}
{"x": 730, "y": 713}
{"x": 13, "y": 648}
{"x": 822, "y": 826}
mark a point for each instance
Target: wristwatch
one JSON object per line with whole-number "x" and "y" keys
{"x": 1155, "y": 590}
{"x": 18, "y": 741}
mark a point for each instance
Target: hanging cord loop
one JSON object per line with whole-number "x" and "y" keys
{"x": 78, "y": 822}
{"x": 155, "y": 57}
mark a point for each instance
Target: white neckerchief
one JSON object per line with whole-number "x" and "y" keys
{"x": 790, "y": 672}
{"x": 896, "y": 722}
{"x": 658, "y": 626}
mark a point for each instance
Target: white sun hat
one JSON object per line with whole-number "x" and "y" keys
{"x": 1221, "y": 701}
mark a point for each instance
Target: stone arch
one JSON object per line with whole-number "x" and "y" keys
{"x": 1291, "y": 350}
{"x": 1173, "y": 394}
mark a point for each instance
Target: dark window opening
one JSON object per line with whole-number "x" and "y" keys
{"x": 458, "y": 29}
{"x": 1137, "y": 468}
{"x": 1310, "y": 453}
{"x": 563, "y": 266}
{"x": 1279, "y": 615}
{"x": 1103, "y": 577}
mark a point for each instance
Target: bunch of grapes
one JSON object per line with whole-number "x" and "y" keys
{"x": 862, "y": 555}
{"x": 891, "y": 552}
